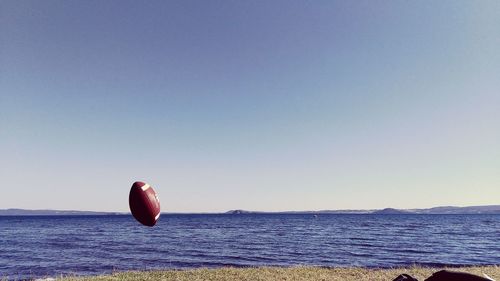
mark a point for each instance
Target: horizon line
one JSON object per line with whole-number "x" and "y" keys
{"x": 257, "y": 211}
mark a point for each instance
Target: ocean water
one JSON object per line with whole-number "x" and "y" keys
{"x": 36, "y": 247}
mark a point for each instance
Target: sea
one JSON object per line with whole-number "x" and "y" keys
{"x": 33, "y": 247}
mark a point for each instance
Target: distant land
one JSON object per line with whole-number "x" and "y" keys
{"x": 489, "y": 209}
{"x": 24, "y": 212}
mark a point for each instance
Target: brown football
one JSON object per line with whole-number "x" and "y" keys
{"x": 144, "y": 203}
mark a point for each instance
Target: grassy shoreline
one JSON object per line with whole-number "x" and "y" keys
{"x": 284, "y": 273}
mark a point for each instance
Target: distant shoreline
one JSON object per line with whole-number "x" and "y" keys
{"x": 487, "y": 209}
{"x": 312, "y": 214}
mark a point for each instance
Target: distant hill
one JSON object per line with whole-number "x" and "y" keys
{"x": 24, "y": 212}
{"x": 489, "y": 209}
{"x": 390, "y": 211}
{"x": 236, "y": 212}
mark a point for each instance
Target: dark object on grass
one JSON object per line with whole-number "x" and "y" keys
{"x": 405, "y": 277}
{"x": 445, "y": 275}
{"x": 144, "y": 203}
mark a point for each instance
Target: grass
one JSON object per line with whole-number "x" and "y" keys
{"x": 282, "y": 274}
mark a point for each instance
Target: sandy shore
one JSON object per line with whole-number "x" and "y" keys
{"x": 281, "y": 273}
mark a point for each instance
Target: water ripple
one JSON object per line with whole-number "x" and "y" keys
{"x": 34, "y": 247}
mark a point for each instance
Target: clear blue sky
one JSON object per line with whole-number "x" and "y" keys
{"x": 260, "y": 105}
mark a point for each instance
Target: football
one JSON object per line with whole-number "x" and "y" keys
{"x": 144, "y": 203}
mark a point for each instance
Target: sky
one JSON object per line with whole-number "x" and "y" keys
{"x": 257, "y": 105}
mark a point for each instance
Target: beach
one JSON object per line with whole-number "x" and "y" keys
{"x": 285, "y": 273}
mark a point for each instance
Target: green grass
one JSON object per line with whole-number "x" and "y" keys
{"x": 282, "y": 274}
